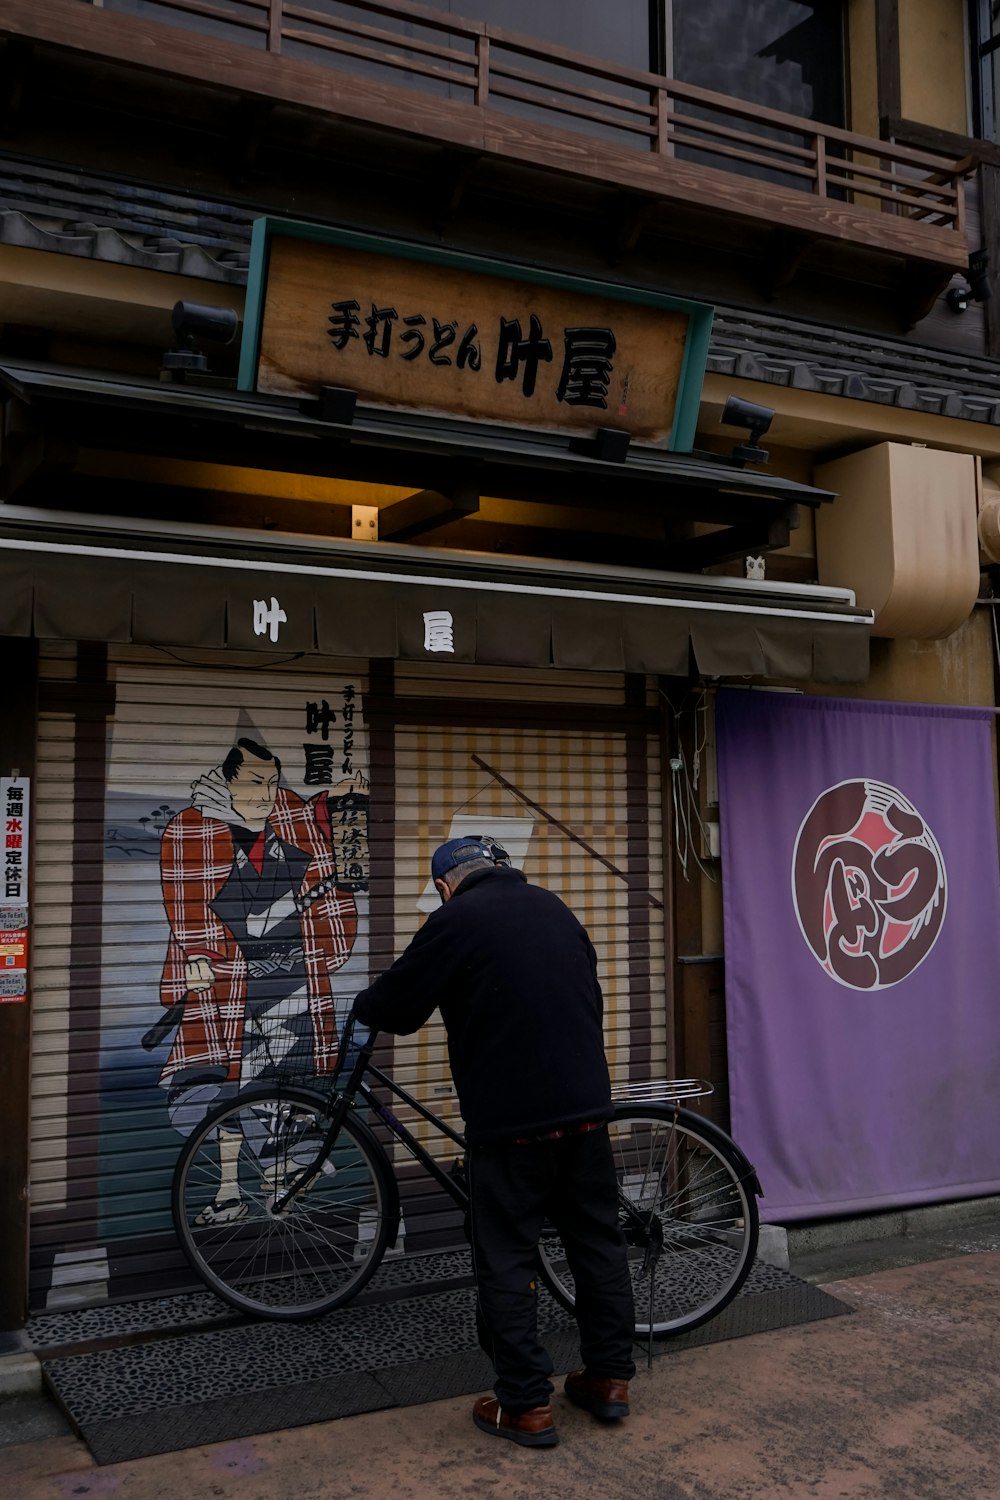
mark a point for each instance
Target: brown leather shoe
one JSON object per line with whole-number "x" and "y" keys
{"x": 532, "y": 1429}
{"x": 607, "y": 1399}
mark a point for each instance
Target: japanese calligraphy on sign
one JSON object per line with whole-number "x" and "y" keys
{"x": 443, "y": 337}
{"x": 439, "y": 630}
{"x": 14, "y": 808}
{"x": 329, "y": 762}
{"x": 268, "y": 621}
{"x": 14, "y": 905}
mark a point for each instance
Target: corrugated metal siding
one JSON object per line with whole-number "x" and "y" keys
{"x": 579, "y": 782}
{"x": 579, "y": 779}
{"x": 103, "y": 1145}
{"x": 53, "y": 1138}
{"x": 53, "y": 821}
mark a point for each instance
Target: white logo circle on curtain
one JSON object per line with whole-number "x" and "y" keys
{"x": 869, "y": 884}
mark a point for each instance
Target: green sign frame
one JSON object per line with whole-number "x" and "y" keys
{"x": 700, "y": 315}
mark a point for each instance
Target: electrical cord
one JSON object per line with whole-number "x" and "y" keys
{"x": 684, "y": 792}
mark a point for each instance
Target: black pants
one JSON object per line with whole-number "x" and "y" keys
{"x": 513, "y": 1189}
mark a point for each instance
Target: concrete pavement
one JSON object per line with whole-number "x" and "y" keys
{"x": 900, "y": 1401}
{"x": 831, "y": 1250}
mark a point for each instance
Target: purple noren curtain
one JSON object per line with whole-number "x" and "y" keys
{"x": 862, "y": 935}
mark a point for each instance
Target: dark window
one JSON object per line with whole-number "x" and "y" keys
{"x": 984, "y": 27}
{"x": 616, "y": 33}
{"x": 619, "y": 34}
{"x": 429, "y": 58}
{"x": 779, "y": 53}
{"x": 782, "y": 54}
{"x": 228, "y": 21}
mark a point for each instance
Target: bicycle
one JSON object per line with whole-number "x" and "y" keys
{"x": 315, "y": 1203}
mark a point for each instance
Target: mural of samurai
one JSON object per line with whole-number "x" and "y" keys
{"x": 261, "y": 917}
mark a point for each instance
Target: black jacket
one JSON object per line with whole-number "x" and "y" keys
{"x": 515, "y": 977}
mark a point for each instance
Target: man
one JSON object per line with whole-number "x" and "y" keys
{"x": 259, "y": 923}
{"x": 515, "y": 977}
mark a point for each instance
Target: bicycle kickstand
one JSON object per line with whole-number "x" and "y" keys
{"x": 650, "y": 1262}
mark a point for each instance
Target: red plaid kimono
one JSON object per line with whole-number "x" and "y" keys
{"x": 196, "y": 858}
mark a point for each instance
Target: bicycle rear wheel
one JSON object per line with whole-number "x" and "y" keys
{"x": 685, "y": 1192}
{"x": 319, "y": 1249}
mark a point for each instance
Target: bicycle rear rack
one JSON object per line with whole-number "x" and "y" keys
{"x": 661, "y": 1091}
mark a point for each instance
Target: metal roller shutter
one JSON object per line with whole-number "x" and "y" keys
{"x": 113, "y": 770}
{"x": 579, "y": 811}
{"x": 577, "y": 805}
{"x": 51, "y": 966}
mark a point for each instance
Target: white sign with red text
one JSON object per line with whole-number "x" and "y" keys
{"x": 14, "y": 795}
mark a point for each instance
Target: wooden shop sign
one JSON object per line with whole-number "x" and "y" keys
{"x": 434, "y": 331}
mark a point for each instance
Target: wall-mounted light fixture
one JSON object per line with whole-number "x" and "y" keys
{"x": 978, "y": 288}
{"x": 194, "y": 323}
{"x": 739, "y": 413}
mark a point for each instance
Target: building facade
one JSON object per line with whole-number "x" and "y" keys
{"x": 386, "y": 385}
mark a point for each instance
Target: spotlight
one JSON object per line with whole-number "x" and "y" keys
{"x": 978, "y": 288}
{"x": 192, "y": 323}
{"x": 739, "y": 413}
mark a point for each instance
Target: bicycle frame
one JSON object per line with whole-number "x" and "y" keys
{"x": 357, "y": 1086}
{"x": 642, "y": 1230}
{"x": 684, "y": 1188}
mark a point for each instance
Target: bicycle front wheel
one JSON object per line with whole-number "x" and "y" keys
{"x": 307, "y": 1256}
{"x": 688, "y": 1213}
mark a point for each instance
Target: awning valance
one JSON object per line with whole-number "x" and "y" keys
{"x": 346, "y": 601}
{"x": 413, "y": 450}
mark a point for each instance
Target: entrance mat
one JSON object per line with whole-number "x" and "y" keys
{"x": 64, "y": 1328}
{"x": 233, "y": 1381}
{"x": 760, "y": 1312}
{"x": 113, "y": 1440}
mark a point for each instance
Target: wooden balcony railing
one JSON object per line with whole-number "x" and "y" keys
{"x": 525, "y": 93}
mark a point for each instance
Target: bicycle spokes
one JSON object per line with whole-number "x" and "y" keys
{"x": 295, "y": 1228}
{"x": 688, "y": 1220}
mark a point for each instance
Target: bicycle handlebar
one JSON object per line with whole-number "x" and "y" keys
{"x": 353, "y": 1057}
